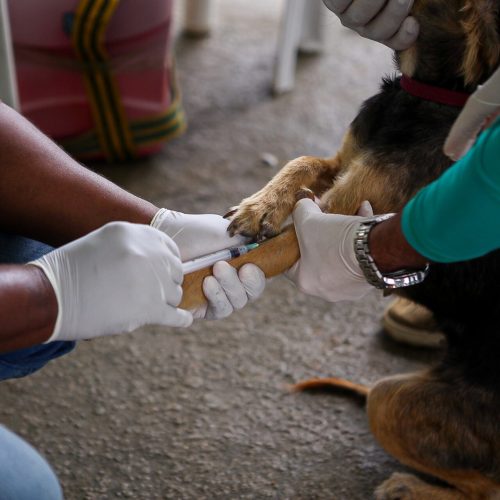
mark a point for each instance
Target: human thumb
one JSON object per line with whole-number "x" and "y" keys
{"x": 181, "y": 318}
{"x": 366, "y": 209}
{"x": 482, "y": 104}
{"x": 302, "y": 210}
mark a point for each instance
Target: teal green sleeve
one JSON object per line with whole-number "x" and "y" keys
{"x": 457, "y": 217}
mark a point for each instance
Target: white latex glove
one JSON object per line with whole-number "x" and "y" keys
{"x": 483, "y": 104}
{"x": 229, "y": 290}
{"x": 328, "y": 267}
{"x": 195, "y": 235}
{"x": 384, "y": 21}
{"x": 113, "y": 280}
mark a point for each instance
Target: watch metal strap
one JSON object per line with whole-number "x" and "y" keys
{"x": 398, "y": 279}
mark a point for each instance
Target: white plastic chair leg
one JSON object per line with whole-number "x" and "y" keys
{"x": 301, "y": 28}
{"x": 8, "y": 81}
{"x": 312, "y": 39}
{"x": 199, "y": 17}
{"x": 288, "y": 42}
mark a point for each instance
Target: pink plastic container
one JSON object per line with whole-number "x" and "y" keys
{"x": 77, "y": 101}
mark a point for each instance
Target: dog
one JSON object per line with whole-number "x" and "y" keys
{"x": 445, "y": 421}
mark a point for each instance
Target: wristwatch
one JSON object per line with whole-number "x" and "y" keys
{"x": 396, "y": 279}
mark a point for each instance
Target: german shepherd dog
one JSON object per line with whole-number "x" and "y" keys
{"x": 444, "y": 422}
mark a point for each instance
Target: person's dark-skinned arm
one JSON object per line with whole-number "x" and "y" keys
{"x": 390, "y": 249}
{"x": 48, "y": 196}
{"x": 28, "y": 307}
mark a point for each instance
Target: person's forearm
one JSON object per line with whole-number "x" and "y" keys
{"x": 48, "y": 196}
{"x": 28, "y": 307}
{"x": 389, "y": 248}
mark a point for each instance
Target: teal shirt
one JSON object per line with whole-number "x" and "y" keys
{"x": 457, "y": 217}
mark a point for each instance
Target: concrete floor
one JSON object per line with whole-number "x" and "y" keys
{"x": 204, "y": 413}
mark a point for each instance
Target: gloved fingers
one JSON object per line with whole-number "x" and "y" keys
{"x": 389, "y": 22}
{"x": 228, "y": 278}
{"x": 302, "y": 210}
{"x": 405, "y": 37}
{"x": 360, "y": 13}
{"x": 366, "y": 209}
{"x": 200, "y": 312}
{"x": 483, "y": 104}
{"x": 466, "y": 127}
{"x": 171, "y": 270}
{"x": 172, "y": 294}
{"x": 176, "y": 317}
{"x": 170, "y": 244}
{"x": 195, "y": 234}
{"x": 218, "y": 304}
{"x": 337, "y": 6}
{"x": 253, "y": 280}
{"x": 292, "y": 273}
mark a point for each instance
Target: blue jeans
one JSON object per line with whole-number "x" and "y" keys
{"x": 24, "y": 473}
{"x": 19, "y": 250}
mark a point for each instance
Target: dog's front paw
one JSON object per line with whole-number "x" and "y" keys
{"x": 400, "y": 487}
{"x": 261, "y": 216}
{"x": 250, "y": 219}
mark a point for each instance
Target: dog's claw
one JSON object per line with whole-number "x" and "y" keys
{"x": 259, "y": 218}
{"x": 231, "y": 212}
{"x": 232, "y": 229}
{"x": 267, "y": 231}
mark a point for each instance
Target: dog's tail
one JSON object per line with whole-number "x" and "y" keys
{"x": 337, "y": 385}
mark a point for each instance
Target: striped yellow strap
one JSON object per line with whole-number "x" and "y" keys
{"x": 145, "y": 132}
{"x": 89, "y": 28}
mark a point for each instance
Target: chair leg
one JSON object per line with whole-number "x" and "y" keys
{"x": 288, "y": 42}
{"x": 312, "y": 39}
{"x": 8, "y": 81}
{"x": 198, "y": 17}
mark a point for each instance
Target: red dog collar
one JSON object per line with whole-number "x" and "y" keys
{"x": 432, "y": 93}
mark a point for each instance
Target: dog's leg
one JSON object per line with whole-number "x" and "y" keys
{"x": 363, "y": 181}
{"x": 262, "y": 214}
{"x": 274, "y": 257}
{"x": 435, "y": 428}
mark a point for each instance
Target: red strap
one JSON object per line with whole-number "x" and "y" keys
{"x": 432, "y": 93}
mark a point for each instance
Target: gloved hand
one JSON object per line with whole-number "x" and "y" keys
{"x": 483, "y": 104}
{"x": 384, "y": 21}
{"x": 195, "y": 235}
{"x": 328, "y": 267}
{"x": 113, "y": 280}
{"x": 229, "y": 290}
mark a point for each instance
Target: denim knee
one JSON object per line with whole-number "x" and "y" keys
{"x": 24, "y": 473}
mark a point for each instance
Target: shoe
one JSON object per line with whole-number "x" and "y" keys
{"x": 410, "y": 323}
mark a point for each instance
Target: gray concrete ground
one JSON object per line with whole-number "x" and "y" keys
{"x": 204, "y": 413}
